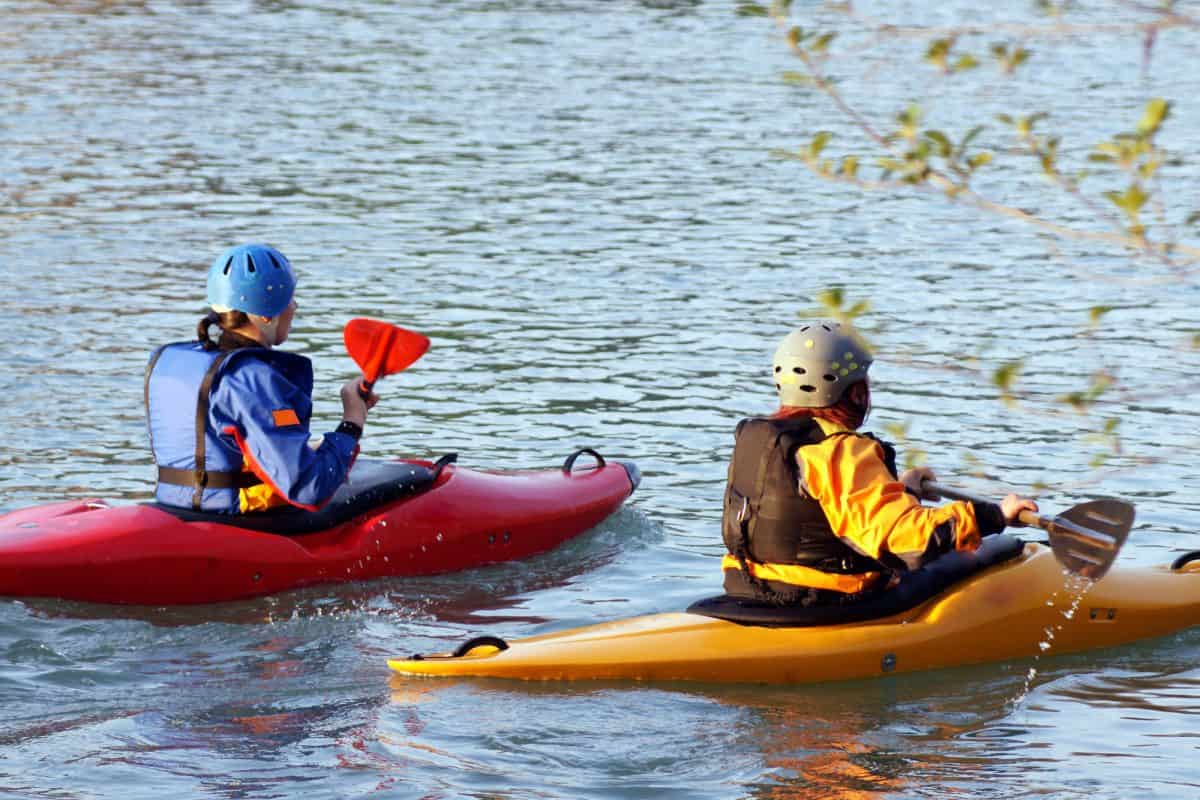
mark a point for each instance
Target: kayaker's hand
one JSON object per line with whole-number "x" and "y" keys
{"x": 913, "y": 478}
{"x": 354, "y": 408}
{"x": 1012, "y": 506}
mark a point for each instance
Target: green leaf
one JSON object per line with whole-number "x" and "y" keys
{"x": 1193, "y": 218}
{"x": 818, "y": 143}
{"x": 821, "y": 43}
{"x": 1025, "y": 124}
{"x": 979, "y": 159}
{"x": 937, "y": 51}
{"x": 1131, "y": 200}
{"x": 965, "y": 61}
{"x": 1006, "y": 374}
{"x": 1095, "y": 313}
{"x": 849, "y": 166}
{"x": 797, "y": 78}
{"x": 970, "y": 137}
{"x": 889, "y": 165}
{"x": 942, "y": 141}
{"x": 1077, "y": 400}
{"x": 858, "y": 309}
{"x": 1006, "y": 119}
{"x": 1152, "y": 118}
{"x": 748, "y": 9}
{"x": 909, "y": 119}
{"x": 832, "y": 298}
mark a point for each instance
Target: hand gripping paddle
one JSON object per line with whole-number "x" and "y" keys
{"x": 1085, "y": 538}
{"x": 380, "y": 348}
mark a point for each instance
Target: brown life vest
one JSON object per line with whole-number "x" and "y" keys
{"x": 766, "y": 518}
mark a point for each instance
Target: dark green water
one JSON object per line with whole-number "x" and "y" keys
{"x": 578, "y": 203}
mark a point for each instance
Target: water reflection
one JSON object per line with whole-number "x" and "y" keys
{"x": 893, "y": 737}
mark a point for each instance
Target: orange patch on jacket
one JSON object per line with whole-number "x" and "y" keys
{"x": 284, "y": 417}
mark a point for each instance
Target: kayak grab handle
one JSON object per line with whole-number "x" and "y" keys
{"x": 466, "y": 647}
{"x": 480, "y": 641}
{"x": 570, "y": 462}
{"x": 1185, "y": 559}
{"x": 440, "y": 465}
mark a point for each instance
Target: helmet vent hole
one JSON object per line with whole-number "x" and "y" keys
{"x": 274, "y": 260}
{"x": 807, "y": 388}
{"x": 829, "y": 377}
{"x": 228, "y": 265}
{"x": 826, "y": 327}
{"x": 778, "y": 368}
{"x": 799, "y": 370}
{"x": 249, "y": 264}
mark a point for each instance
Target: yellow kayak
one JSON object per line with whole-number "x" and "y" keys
{"x": 1024, "y": 606}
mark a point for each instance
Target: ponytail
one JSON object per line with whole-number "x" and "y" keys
{"x": 225, "y": 320}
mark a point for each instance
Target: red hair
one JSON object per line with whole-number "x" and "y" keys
{"x": 850, "y": 411}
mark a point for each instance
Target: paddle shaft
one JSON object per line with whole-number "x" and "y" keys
{"x": 1085, "y": 538}
{"x": 1026, "y": 516}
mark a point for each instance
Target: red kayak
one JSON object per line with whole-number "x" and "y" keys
{"x": 391, "y": 518}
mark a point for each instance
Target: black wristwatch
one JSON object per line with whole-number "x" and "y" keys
{"x": 350, "y": 429}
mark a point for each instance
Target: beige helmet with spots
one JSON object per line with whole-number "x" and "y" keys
{"x": 816, "y": 362}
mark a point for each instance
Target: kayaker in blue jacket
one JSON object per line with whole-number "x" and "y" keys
{"x": 815, "y": 511}
{"x": 229, "y": 419}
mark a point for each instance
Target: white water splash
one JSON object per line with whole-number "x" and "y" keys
{"x": 1076, "y": 587}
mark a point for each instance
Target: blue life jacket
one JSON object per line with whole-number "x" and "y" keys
{"x": 224, "y": 420}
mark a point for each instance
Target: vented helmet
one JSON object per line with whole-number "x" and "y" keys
{"x": 253, "y": 278}
{"x": 815, "y": 363}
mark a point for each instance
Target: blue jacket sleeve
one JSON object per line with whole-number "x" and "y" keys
{"x": 268, "y": 417}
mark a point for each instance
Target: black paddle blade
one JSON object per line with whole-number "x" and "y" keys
{"x": 1086, "y": 538}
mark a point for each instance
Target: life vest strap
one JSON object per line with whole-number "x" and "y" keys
{"x": 203, "y": 479}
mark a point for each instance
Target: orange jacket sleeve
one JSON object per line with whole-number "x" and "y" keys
{"x": 870, "y": 510}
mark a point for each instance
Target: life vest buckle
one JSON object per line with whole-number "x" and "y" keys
{"x": 202, "y": 478}
{"x": 744, "y": 512}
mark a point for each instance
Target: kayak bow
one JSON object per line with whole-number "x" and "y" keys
{"x": 1013, "y": 610}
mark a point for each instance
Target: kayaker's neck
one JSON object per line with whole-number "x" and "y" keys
{"x": 237, "y": 338}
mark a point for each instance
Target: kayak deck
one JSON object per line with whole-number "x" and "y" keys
{"x": 1018, "y": 609}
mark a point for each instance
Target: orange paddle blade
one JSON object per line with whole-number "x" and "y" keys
{"x": 380, "y": 348}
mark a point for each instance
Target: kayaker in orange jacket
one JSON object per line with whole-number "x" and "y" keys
{"x": 815, "y": 512}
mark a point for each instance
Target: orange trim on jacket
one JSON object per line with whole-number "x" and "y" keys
{"x": 267, "y": 494}
{"x": 798, "y": 575}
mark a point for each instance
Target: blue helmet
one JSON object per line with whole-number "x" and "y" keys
{"x": 253, "y": 278}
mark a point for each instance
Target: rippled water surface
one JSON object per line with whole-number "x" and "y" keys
{"x": 578, "y": 202}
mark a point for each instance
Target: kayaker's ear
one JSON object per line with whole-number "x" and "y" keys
{"x": 380, "y": 348}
